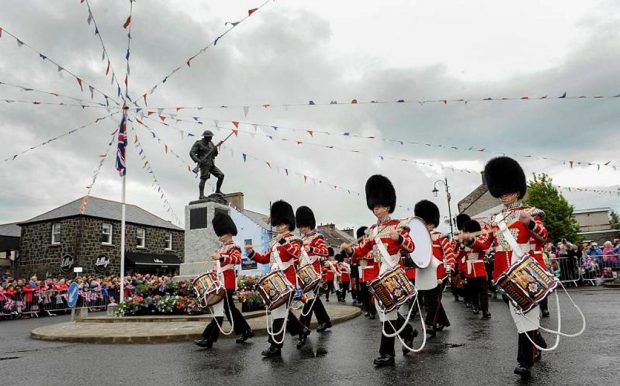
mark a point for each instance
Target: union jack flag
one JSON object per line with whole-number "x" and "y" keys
{"x": 122, "y": 145}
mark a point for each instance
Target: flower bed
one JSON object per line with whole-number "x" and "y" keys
{"x": 179, "y": 298}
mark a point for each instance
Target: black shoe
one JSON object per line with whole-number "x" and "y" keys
{"x": 366, "y": 314}
{"x": 327, "y": 300}
{"x": 205, "y": 343}
{"x": 545, "y": 313}
{"x": 486, "y": 315}
{"x": 476, "y": 311}
{"x": 303, "y": 337}
{"x": 271, "y": 352}
{"x": 456, "y": 298}
{"x": 430, "y": 331}
{"x": 409, "y": 342}
{"x": 245, "y": 336}
{"x": 324, "y": 326}
{"x": 523, "y": 371}
{"x": 384, "y": 360}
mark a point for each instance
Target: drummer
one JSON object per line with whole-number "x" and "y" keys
{"x": 472, "y": 263}
{"x": 315, "y": 249}
{"x": 381, "y": 200}
{"x": 284, "y": 250}
{"x": 227, "y": 257}
{"x": 523, "y": 227}
{"x": 368, "y": 271}
{"x": 431, "y": 280}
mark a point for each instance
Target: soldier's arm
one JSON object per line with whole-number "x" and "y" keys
{"x": 193, "y": 153}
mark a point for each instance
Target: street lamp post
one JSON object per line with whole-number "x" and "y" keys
{"x": 435, "y": 191}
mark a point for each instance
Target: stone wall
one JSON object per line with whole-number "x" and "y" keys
{"x": 81, "y": 238}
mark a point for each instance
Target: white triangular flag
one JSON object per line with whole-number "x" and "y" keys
{"x": 246, "y": 109}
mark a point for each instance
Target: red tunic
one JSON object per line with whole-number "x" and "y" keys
{"x": 345, "y": 272}
{"x": 316, "y": 248}
{"x": 289, "y": 250}
{"x": 442, "y": 251}
{"x": 531, "y": 241}
{"x": 366, "y": 250}
{"x": 230, "y": 255}
{"x": 472, "y": 263}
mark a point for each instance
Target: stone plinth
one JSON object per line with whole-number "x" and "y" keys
{"x": 200, "y": 239}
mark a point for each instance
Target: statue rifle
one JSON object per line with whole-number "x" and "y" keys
{"x": 206, "y": 156}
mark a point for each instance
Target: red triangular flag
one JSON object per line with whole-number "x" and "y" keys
{"x": 80, "y": 83}
{"x": 188, "y": 60}
{"x": 354, "y": 101}
{"x": 236, "y": 123}
{"x": 571, "y": 164}
{"x": 189, "y": 169}
{"x": 179, "y": 108}
{"x": 299, "y": 142}
{"x": 0, "y": 32}
{"x": 251, "y": 11}
{"x": 127, "y": 22}
{"x": 149, "y": 113}
{"x": 144, "y": 96}
{"x": 162, "y": 118}
{"x": 236, "y": 132}
{"x": 139, "y": 121}
{"x": 310, "y": 132}
{"x": 166, "y": 147}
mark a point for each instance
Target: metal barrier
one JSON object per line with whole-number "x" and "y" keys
{"x": 566, "y": 269}
{"x": 50, "y": 303}
{"x": 596, "y": 270}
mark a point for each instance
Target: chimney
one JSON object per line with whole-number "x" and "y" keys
{"x": 236, "y": 200}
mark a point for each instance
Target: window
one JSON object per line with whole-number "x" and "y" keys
{"x": 56, "y": 233}
{"x": 169, "y": 242}
{"x": 106, "y": 234}
{"x": 140, "y": 237}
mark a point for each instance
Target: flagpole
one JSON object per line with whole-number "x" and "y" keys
{"x": 123, "y": 209}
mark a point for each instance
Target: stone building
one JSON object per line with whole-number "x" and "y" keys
{"x": 71, "y": 236}
{"x": 595, "y": 225}
{"x": 9, "y": 244}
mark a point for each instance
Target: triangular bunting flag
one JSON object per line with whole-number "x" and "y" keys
{"x": 80, "y": 83}
{"x": 246, "y": 109}
{"x": 251, "y": 11}
{"x": 236, "y": 132}
{"x": 236, "y": 124}
{"x": 127, "y": 22}
{"x": 245, "y": 156}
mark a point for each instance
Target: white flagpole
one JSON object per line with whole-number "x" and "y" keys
{"x": 123, "y": 207}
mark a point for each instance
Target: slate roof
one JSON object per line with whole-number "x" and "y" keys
{"x": 472, "y": 197}
{"x": 334, "y": 236}
{"x": 105, "y": 209}
{"x": 10, "y": 230}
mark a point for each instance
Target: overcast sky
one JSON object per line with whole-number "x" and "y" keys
{"x": 291, "y": 52}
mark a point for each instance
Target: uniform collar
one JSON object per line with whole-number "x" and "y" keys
{"x": 514, "y": 205}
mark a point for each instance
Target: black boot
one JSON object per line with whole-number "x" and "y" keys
{"x": 486, "y": 315}
{"x": 245, "y": 336}
{"x": 384, "y": 360}
{"x": 205, "y": 343}
{"x": 523, "y": 371}
{"x": 272, "y": 351}
{"x": 324, "y": 326}
{"x": 409, "y": 341}
{"x": 303, "y": 337}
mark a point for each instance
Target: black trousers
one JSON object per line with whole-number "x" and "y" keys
{"x": 478, "y": 288}
{"x": 435, "y": 313}
{"x": 293, "y": 326}
{"x": 387, "y": 343}
{"x": 318, "y": 309}
{"x": 212, "y": 332}
{"x": 526, "y": 351}
{"x": 366, "y": 299}
{"x": 344, "y": 287}
{"x": 329, "y": 289}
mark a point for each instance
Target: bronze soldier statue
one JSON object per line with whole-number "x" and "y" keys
{"x": 203, "y": 152}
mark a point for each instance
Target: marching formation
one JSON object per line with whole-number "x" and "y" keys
{"x": 397, "y": 269}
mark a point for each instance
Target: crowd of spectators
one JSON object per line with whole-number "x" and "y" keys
{"x": 586, "y": 260}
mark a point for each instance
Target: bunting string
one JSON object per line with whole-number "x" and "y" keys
{"x": 81, "y": 82}
{"x": 155, "y": 184}
{"x": 102, "y": 159}
{"x": 187, "y": 63}
{"x": 273, "y": 132}
{"x": 104, "y": 55}
{"x": 412, "y": 100}
{"x": 55, "y": 94}
{"x": 599, "y": 191}
{"x": 82, "y": 105}
{"x": 66, "y": 133}
{"x": 127, "y": 26}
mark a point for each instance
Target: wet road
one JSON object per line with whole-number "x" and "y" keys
{"x": 471, "y": 351}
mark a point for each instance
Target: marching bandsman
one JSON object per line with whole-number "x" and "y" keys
{"x": 473, "y": 264}
{"x": 385, "y": 240}
{"x": 458, "y": 275}
{"x": 315, "y": 249}
{"x": 328, "y": 274}
{"x": 227, "y": 257}
{"x": 516, "y": 228}
{"x": 344, "y": 272}
{"x": 368, "y": 271}
{"x": 284, "y": 251}
{"x": 431, "y": 280}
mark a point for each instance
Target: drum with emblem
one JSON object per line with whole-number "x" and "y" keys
{"x": 526, "y": 283}
{"x": 392, "y": 289}
{"x": 309, "y": 278}
{"x": 209, "y": 289}
{"x": 275, "y": 289}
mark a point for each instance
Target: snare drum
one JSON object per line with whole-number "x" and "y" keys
{"x": 275, "y": 289}
{"x": 526, "y": 283}
{"x": 392, "y": 289}
{"x": 309, "y": 278}
{"x": 209, "y": 289}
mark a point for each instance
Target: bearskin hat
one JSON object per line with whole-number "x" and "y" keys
{"x": 304, "y": 217}
{"x": 504, "y": 175}
{"x": 427, "y": 211}
{"x": 223, "y": 224}
{"x": 361, "y": 231}
{"x": 461, "y": 219}
{"x": 282, "y": 213}
{"x": 471, "y": 226}
{"x": 380, "y": 191}
{"x": 330, "y": 251}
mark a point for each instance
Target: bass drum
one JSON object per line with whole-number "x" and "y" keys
{"x": 422, "y": 255}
